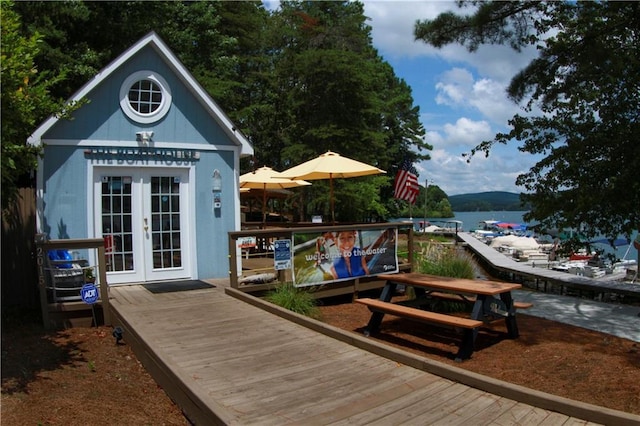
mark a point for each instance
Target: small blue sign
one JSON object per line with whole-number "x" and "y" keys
{"x": 89, "y": 293}
{"x": 282, "y": 254}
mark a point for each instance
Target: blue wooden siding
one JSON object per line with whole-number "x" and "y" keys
{"x": 65, "y": 193}
{"x": 212, "y": 224}
{"x": 102, "y": 119}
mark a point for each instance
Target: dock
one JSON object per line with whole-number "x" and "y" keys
{"x": 541, "y": 276}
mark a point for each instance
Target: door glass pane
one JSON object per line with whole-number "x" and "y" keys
{"x": 116, "y": 223}
{"x": 165, "y": 219}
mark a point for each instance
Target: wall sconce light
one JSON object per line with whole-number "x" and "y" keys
{"x": 144, "y": 137}
{"x": 217, "y": 180}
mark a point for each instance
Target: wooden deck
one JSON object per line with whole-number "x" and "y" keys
{"x": 224, "y": 360}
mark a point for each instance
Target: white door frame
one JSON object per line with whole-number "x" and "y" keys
{"x": 141, "y": 242}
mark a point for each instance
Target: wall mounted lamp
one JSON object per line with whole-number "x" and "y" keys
{"x": 217, "y": 180}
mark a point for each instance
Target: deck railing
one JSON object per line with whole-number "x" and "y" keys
{"x": 80, "y": 247}
{"x": 259, "y": 260}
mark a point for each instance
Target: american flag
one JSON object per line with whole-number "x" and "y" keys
{"x": 406, "y": 185}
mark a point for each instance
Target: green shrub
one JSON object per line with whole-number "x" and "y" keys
{"x": 295, "y": 299}
{"x": 437, "y": 259}
{"x": 445, "y": 261}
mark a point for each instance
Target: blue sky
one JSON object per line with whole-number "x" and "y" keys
{"x": 461, "y": 97}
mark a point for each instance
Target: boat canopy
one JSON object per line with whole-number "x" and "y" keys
{"x": 512, "y": 226}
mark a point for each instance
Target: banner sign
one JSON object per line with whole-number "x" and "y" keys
{"x": 323, "y": 257}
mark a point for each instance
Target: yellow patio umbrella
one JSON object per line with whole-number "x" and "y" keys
{"x": 266, "y": 178}
{"x": 330, "y": 165}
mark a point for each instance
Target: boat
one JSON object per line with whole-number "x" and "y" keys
{"x": 450, "y": 226}
{"x": 487, "y": 230}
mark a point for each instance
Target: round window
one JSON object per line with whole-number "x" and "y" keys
{"x": 145, "y": 97}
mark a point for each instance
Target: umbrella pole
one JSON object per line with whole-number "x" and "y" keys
{"x": 264, "y": 206}
{"x": 333, "y": 216}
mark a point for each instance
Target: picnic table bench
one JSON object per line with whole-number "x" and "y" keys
{"x": 491, "y": 300}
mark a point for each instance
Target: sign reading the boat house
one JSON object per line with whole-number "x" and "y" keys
{"x": 141, "y": 155}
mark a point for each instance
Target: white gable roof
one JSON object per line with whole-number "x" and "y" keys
{"x": 152, "y": 39}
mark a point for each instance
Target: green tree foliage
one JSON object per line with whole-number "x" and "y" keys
{"x": 25, "y": 101}
{"x": 586, "y": 86}
{"x": 85, "y": 36}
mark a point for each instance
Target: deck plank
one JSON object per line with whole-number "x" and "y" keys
{"x": 402, "y": 402}
{"x": 487, "y": 407}
{"x": 225, "y": 361}
{"x": 433, "y": 408}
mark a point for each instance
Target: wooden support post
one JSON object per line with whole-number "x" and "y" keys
{"x": 356, "y": 289}
{"x": 42, "y": 280}
{"x": 104, "y": 286}
{"x": 410, "y": 248}
{"x": 233, "y": 263}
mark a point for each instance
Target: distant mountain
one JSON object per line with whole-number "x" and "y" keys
{"x": 486, "y": 201}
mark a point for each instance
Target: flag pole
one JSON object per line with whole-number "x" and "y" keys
{"x": 426, "y": 193}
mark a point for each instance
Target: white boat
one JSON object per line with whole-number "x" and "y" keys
{"x": 443, "y": 227}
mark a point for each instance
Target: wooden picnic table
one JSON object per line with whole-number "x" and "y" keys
{"x": 491, "y": 300}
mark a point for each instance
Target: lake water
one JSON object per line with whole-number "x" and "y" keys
{"x": 470, "y": 222}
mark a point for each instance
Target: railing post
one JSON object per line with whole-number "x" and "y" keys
{"x": 104, "y": 287}
{"x": 233, "y": 263}
{"x": 42, "y": 280}
{"x": 410, "y": 247}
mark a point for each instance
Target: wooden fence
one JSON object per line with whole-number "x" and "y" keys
{"x": 19, "y": 272}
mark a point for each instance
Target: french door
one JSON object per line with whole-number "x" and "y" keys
{"x": 142, "y": 214}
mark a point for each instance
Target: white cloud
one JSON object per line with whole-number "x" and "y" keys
{"x": 488, "y": 97}
{"x": 393, "y": 25}
{"x": 454, "y": 175}
{"x": 467, "y": 132}
{"x": 499, "y": 62}
{"x": 457, "y": 88}
{"x": 434, "y": 138}
{"x": 454, "y": 88}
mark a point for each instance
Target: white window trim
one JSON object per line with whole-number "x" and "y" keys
{"x": 154, "y": 116}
